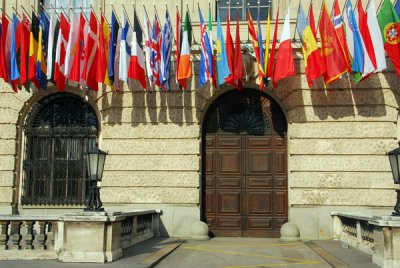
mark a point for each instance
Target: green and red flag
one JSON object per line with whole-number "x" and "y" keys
{"x": 389, "y": 23}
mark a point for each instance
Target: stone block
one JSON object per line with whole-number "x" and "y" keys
{"x": 336, "y": 129}
{"x": 341, "y": 146}
{"x": 134, "y": 178}
{"x": 8, "y": 116}
{"x": 341, "y": 180}
{"x": 153, "y": 162}
{"x": 7, "y": 162}
{"x": 7, "y": 147}
{"x": 369, "y": 113}
{"x": 146, "y": 195}
{"x": 151, "y": 146}
{"x": 6, "y": 178}
{"x": 8, "y": 132}
{"x": 339, "y": 163}
{"x": 6, "y": 194}
{"x": 343, "y": 197}
{"x": 307, "y": 220}
{"x": 151, "y": 131}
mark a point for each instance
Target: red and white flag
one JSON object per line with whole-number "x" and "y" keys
{"x": 5, "y": 55}
{"x": 136, "y": 63}
{"x": 60, "y": 61}
{"x": 71, "y": 46}
{"x": 79, "y": 56}
{"x": 147, "y": 38}
{"x": 284, "y": 66}
{"x": 91, "y": 47}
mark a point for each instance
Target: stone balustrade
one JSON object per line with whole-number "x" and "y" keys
{"x": 66, "y": 237}
{"x": 378, "y": 236}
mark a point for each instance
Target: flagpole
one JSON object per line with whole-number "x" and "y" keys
{"x": 83, "y": 13}
{"x": 65, "y": 13}
{"x": 34, "y": 10}
{"x": 102, "y": 13}
{"x": 369, "y": 2}
{"x": 16, "y": 12}
{"x": 5, "y": 13}
{"x": 145, "y": 11}
{"x": 91, "y": 7}
{"x": 58, "y": 15}
{"x": 172, "y": 32}
{"x": 127, "y": 18}
{"x": 248, "y": 12}
{"x": 26, "y": 12}
{"x": 156, "y": 13}
{"x": 320, "y": 14}
{"x": 115, "y": 13}
{"x": 190, "y": 20}
{"x": 297, "y": 20}
{"x": 44, "y": 10}
{"x": 344, "y": 7}
{"x": 134, "y": 11}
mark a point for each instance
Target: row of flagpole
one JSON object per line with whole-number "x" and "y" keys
{"x": 163, "y": 72}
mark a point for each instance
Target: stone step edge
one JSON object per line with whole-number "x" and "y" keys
{"x": 158, "y": 256}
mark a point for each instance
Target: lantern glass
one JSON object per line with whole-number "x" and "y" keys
{"x": 394, "y": 159}
{"x": 95, "y": 164}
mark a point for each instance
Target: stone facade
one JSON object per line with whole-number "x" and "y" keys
{"x": 337, "y": 140}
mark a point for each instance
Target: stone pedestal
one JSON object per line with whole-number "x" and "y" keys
{"x": 386, "y": 241}
{"x": 91, "y": 237}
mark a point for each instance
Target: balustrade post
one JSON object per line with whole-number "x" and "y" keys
{"x": 41, "y": 237}
{"x": 4, "y": 234}
{"x": 15, "y": 234}
{"x": 29, "y": 237}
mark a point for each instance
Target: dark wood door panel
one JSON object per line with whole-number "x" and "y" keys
{"x": 258, "y": 162}
{"x": 232, "y": 142}
{"x": 259, "y": 203}
{"x": 280, "y": 203}
{"x": 210, "y": 142}
{"x": 259, "y": 182}
{"x": 229, "y": 202}
{"x": 280, "y": 162}
{"x": 263, "y": 142}
{"x": 229, "y": 182}
{"x": 210, "y": 162}
{"x": 229, "y": 162}
{"x": 210, "y": 204}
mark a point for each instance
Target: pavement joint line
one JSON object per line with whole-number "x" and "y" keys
{"x": 304, "y": 261}
{"x": 159, "y": 255}
{"x": 326, "y": 255}
{"x": 249, "y": 245}
{"x": 272, "y": 265}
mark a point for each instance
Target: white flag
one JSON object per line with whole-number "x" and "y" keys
{"x": 376, "y": 36}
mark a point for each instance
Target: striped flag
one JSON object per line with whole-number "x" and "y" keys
{"x": 339, "y": 28}
{"x": 60, "y": 58}
{"x": 51, "y": 48}
{"x": 14, "y": 57}
{"x": 71, "y": 46}
{"x": 125, "y": 50}
{"x": 178, "y": 34}
{"x": 206, "y": 53}
{"x": 256, "y": 44}
{"x": 79, "y": 56}
{"x": 147, "y": 39}
{"x": 41, "y": 61}
{"x": 90, "y": 54}
{"x": 155, "y": 51}
{"x": 113, "y": 45}
{"x": 166, "y": 50}
{"x": 185, "y": 68}
{"x": 376, "y": 36}
{"x": 33, "y": 44}
{"x": 25, "y": 32}
{"x": 136, "y": 66}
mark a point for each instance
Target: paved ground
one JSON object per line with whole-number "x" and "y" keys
{"x": 224, "y": 253}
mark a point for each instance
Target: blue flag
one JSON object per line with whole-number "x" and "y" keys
{"x": 206, "y": 53}
{"x": 397, "y": 7}
{"x": 41, "y": 66}
{"x": 356, "y": 47}
{"x": 112, "y": 45}
{"x": 14, "y": 58}
{"x": 166, "y": 49}
{"x": 222, "y": 59}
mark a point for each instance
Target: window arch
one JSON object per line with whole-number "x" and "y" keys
{"x": 58, "y": 131}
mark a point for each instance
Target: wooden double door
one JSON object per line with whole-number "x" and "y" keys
{"x": 245, "y": 184}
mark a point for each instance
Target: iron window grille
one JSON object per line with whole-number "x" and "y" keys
{"x": 58, "y": 132}
{"x": 243, "y": 6}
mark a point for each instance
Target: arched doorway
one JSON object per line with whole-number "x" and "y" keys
{"x": 244, "y": 167}
{"x": 58, "y": 131}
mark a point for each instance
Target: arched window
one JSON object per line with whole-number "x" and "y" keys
{"x": 58, "y": 132}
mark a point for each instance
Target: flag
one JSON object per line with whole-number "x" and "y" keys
{"x": 6, "y": 36}
{"x": 52, "y": 42}
{"x": 389, "y": 23}
{"x": 117, "y": 84}
{"x": 376, "y": 36}
{"x": 101, "y": 66}
{"x": 178, "y": 40}
{"x": 24, "y": 36}
{"x": 284, "y": 66}
{"x": 33, "y": 49}
{"x": 125, "y": 50}
{"x": 79, "y": 56}
{"x": 369, "y": 53}
{"x": 212, "y": 64}
{"x": 1, "y": 71}
{"x": 237, "y": 59}
{"x": 206, "y": 53}
{"x": 332, "y": 51}
{"x": 397, "y": 7}
{"x": 165, "y": 64}
{"x": 312, "y": 57}
{"x": 136, "y": 66}
{"x": 90, "y": 54}
{"x": 312, "y": 20}
{"x": 14, "y": 57}
{"x": 155, "y": 51}
{"x": 60, "y": 58}
{"x": 229, "y": 51}
{"x": 222, "y": 58}
{"x": 72, "y": 47}
{"x": 147, "y": 39}
{"x": 273, "y": 48}
{"x": 41, "y": 61}
{"x": 267, "y": 42}
{"x": 362, "y": 63}
{"x": 113, "y": 45}
{"x": 256, "y": 45}
{"x": 260, "y": 43}
{"x": 185, "y": 68}
{"x": 339, "y": 28}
